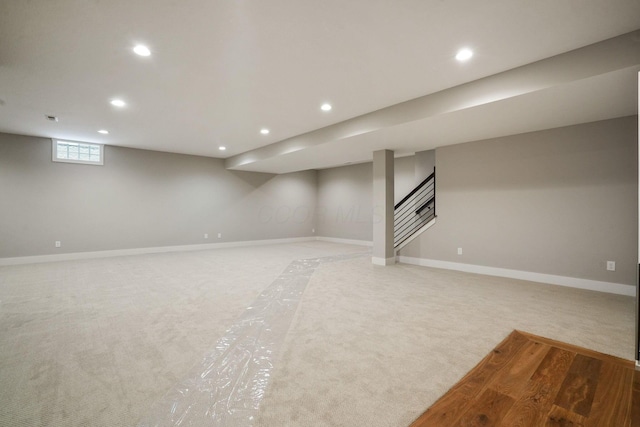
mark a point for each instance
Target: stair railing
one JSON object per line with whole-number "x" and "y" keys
{"x": 415, "y": 210}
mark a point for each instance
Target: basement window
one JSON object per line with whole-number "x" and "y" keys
{"x": 77, "y": 152}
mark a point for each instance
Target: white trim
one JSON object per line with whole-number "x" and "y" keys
{"x": 572, "y": 282}
{"x": 345, "y": 241}
{"x": 383, "y": 261}
{"x": 142, "y": 251}
{"x": 55, "y": 158}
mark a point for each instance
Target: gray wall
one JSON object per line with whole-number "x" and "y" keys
{"x": 345, "y": 198}
{"x": 561, "y": 201}
{"x": 425, "y": 162}
{"x": 141, "y": 199}
{"x": 404, "y": 177}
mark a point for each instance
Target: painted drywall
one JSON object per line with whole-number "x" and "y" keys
{"x": 425, "y": 161}
{"x": 344, "y": 206}
{"x": 383, "y": 183}
{"x": 561, "y": 201}
{"x": 345, "y": 198}
{"x": 141, "y": 199}
{"x": 403, "y": 177}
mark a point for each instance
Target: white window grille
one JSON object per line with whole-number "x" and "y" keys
{"x": 77, "y": 152}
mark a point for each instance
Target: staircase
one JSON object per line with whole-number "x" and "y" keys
{"x": 415, "y": 213}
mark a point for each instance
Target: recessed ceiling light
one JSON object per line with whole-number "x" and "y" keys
{"x": 264, "y": 131}
{"x": 326, "y": 107}
{"x": 222, "y": 148}
{"x": 118, "y": 103}
{"x": 103, "y": 131}
{"x": 142, "y": 50}
{"x": 464, "y": 54}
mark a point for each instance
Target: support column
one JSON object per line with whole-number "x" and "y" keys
{"x": 383, "y": 252}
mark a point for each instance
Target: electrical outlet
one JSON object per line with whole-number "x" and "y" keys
{"x": 459, "y": 251}
{"x": 219, "y": 235}
{"x": 206, "y": 236}
{"x": 58, "y": 243}
{"x": 611, "y": 266}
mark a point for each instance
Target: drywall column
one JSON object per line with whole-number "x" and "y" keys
{"x": 383, "y": 251}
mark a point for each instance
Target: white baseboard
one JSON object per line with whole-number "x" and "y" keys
{"x": 345, "y": 241}
{"x": 383, "y": 261}
{"x": 143, "y": 251}
{"x": 572, "y": 282}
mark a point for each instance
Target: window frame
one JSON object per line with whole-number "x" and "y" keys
{"x": 55, "y": 158}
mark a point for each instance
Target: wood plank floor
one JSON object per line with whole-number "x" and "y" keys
{"x": 533, "y": 381}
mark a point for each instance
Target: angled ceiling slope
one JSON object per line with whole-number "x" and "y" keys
{"x": 595, "y": 82}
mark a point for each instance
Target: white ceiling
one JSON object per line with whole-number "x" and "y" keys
{"x": 222, "y": 70}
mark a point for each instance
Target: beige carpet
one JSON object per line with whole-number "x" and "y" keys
{"x": 376, "y": 346}
{"x": 97, "y": 342}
